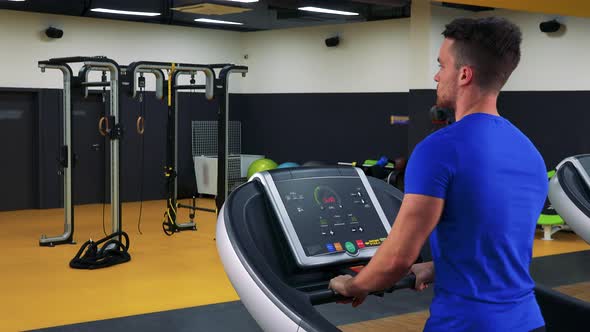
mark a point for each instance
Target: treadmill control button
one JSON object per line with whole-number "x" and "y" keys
{"x": 330, "y": 247}
{"x": 331, "y": 232}
{"x": 361, "y": 229}
{"x": 351, "y": 248}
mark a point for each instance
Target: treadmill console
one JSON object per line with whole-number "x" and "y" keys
{"x": 329, "y": 215}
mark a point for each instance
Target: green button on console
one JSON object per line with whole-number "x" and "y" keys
{"x": 350, "y": 247}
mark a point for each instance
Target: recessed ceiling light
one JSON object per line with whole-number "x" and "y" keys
{"x": 17, "y": 0}
{"x": 123, "y": 12}
{"x": 206, "y": 20}
{"x": 327, "y": 11}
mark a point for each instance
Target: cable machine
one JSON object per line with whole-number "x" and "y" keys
{"x": 109, "y": 126}
{"x": 170, "y": 224}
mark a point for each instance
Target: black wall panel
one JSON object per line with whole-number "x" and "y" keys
{"x": 89, "y": 147}
{"x": 143, "y": 179}
{"x": 420, "y": 126}
{"x": 18, "y": 173}
{"x": 557, "y": 122}
{"x": 49, "y": 137}
{"x": 327, "y": 127}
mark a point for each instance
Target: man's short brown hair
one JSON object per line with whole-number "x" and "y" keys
{"x": 490, "y": 45}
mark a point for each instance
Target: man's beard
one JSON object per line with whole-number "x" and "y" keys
{"x": 448, "y": 103}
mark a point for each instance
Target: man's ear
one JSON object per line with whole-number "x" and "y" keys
{"x": 465, "y": 75}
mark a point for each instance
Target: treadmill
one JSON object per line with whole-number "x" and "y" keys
{"x": 569, "y": 193}
{"x": 286, "y": 233}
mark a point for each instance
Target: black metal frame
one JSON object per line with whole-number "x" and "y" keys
{"x": 222, "y": 92}
{"x": 170, "y": 224}
{"x": 72, "y": 83}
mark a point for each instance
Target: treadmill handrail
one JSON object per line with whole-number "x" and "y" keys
{"x": 581, "y": 170}
{"x": 329, "y": 295}
{"x": 570, "y": 191}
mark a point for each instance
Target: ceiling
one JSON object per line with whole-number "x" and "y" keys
{"x": 277, "y": 14}
{"x": 579, "y": 8}
{"x": 261, "y": 15}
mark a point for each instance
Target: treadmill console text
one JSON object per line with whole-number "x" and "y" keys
{"x": 328, "y": 217}
{"x": 334, "y": 216}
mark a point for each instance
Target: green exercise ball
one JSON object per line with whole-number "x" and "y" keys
{"x": 260, "y": 165}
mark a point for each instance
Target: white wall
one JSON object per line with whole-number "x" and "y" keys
{"x": 372, "y": 57}
{"x": 24, "y": 43}
{"x": 419, "y": 49}
{"x": 427, "y": 23}
{"x": 551, "y": 62}
{"x": 390, "y": 56}
{"x": 441, "y": 16}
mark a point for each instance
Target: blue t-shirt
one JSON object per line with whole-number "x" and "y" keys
{"x": 494, "y": 183}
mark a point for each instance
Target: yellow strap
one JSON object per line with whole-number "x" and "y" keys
{"x": 173, "y": 208}
{"x": 170, "y": 84}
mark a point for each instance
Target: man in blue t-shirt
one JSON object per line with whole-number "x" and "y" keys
{"x": 476, "y": 188}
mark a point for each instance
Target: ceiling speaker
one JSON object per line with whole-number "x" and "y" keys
{"x": 549, "y": 26}
{"x": 52, "y": 32}
{"x": 333, "y": 41}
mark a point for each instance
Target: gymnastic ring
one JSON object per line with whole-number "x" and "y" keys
{"x": 103, "y": 121}
{"x": 140, "y": 125}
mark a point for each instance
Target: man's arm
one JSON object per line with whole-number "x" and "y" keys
{"x": 416, "y": 219}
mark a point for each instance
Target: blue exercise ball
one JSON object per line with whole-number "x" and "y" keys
{"x": 288, "y": 164}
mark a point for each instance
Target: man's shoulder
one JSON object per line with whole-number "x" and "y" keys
{"x": 440, "y": 139}
{"x": 440, "y": 146}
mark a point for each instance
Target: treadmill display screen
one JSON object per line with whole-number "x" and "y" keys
{"x": 332, "y": 215}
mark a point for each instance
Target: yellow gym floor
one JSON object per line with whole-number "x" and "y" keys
{"x": 39, "y": 289}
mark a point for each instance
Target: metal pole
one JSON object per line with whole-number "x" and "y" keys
{"x": 115, "y": 154}
{"x": 68, "y": 234}
{"x": 223, "y": 134}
